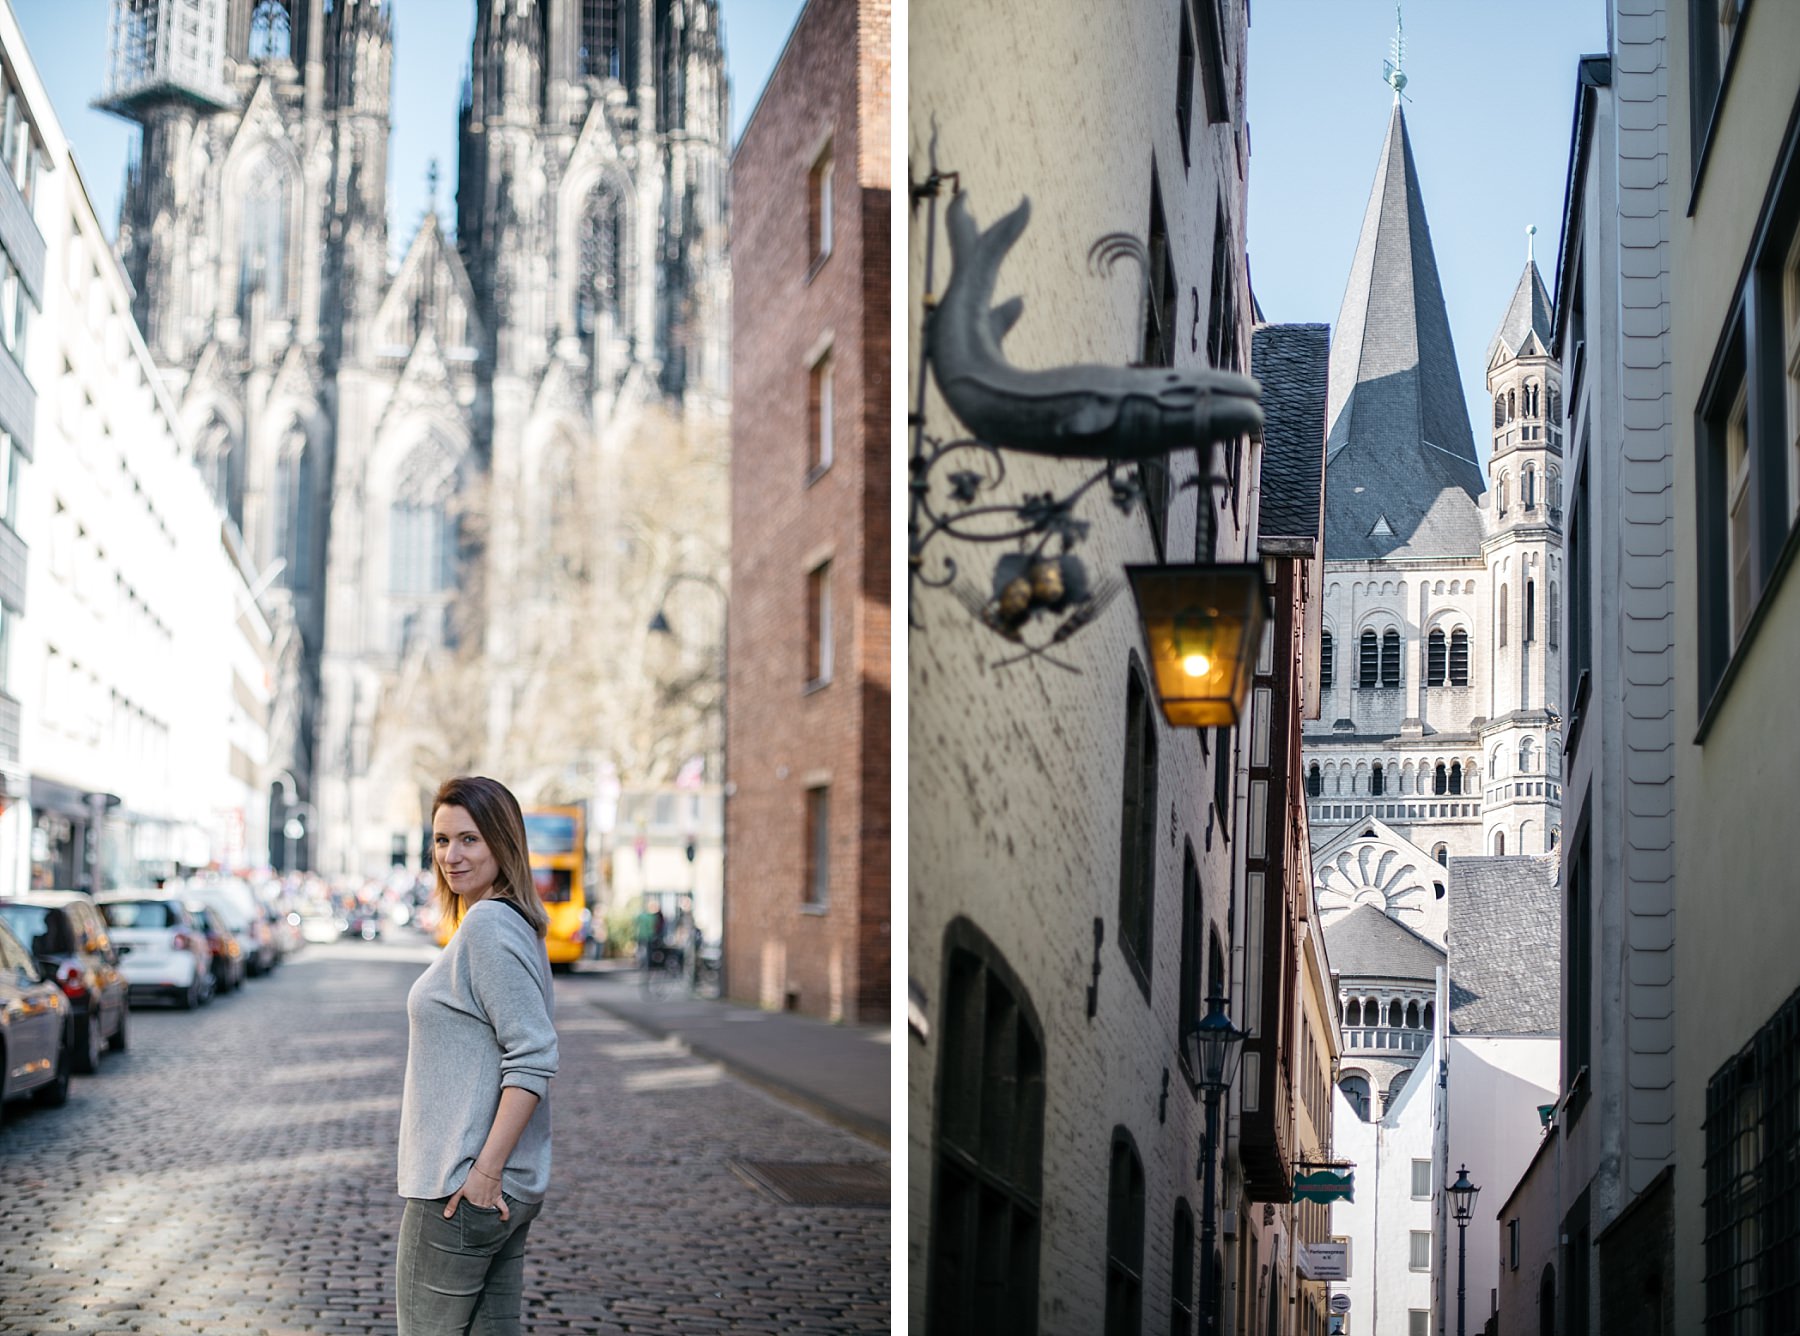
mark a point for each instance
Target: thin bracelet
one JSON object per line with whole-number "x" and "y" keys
{"x": 477, "y": 1169}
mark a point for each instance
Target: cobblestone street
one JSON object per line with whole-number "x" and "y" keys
{"x": 234, "y": 1174}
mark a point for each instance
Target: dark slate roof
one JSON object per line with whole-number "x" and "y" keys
{"x": 1366, "y": 943}
{"x": 1292, "y": 361}
{"x": 1505, "y": 942}
{"x": 1527, "y": 313}
{"x": 1402, "y": 474}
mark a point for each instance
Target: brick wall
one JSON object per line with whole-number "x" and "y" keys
{"x": 830, "y": 88}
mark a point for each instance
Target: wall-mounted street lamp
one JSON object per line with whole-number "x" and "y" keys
{"x": 1462, "y": 1209}
{"x": 1203, "y": 625}
{"x": 1213, "y": 1049}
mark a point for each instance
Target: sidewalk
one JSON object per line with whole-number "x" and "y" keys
{"x": 839, "y": 1072}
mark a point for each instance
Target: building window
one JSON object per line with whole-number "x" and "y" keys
{"x": 819, "y": 417}
{"x": 1125, "y": 1239}
{"x": 1436, "y": 659}
{"x": 1737, "y": 511}
{"x": 1790, "y": 303}
{"x": 270, "y": 31}
{"x": 15, "y": 310}
{"x": 1369, "y": 665}
{"x": 1530, "y": 611}
{"x": 1353, "y": 1013}
{"x": 1528, "y": 488}
{"x": 1512, "y": 1244}
{"x": 1551, "y": 623}
{"x": 1315, "y": 783}
{"x": 818, "y": 625}
{"x": 1459, "y": 658}
{"x": 1184, "y": 82}
{"x": 1192, "y": 954}
{"x": 1502, "y": 616}
{"x": 816, "y": 890}
{"x": 819, "y": 207}
{"x": 1356, "y": 1090}
{"x": 1752, "y": 1109}
{"x": 1162, "y": 297}
{"x": 1526, "y": 750}
{"x": 1578, "y": 944}
{"x": 1137, "y": 829}
{"x": 1420, "y": 1250}
{"x": 1499, "y": 843}
{"x": 1327, "y": 661}
{"x": 1456, "y": 777}
{"x": 1713, "y": 26}
{"x": 1421, "y": 1179}
{"x": 1418, "y": 1322}
{"x": 1390, "y": 659}
{"x": 1440, "y": 780}
{"x": 1181, "y": 1273}
{"x": 986, "y": 1209}
{"x": 1442, "y": 854}
{"x": 1375, "y": 781}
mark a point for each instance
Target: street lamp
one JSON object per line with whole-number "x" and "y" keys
{"x": 1462, "y": 1208}
{"x": 659, "y": 626}
{"x": 1213, "y": 1048}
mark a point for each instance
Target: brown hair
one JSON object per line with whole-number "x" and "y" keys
{"x": 496, "y": 814}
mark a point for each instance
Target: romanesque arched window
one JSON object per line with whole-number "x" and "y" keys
{"x": 1442, "y": 854}
{"x": 1512, "y": 405}
{"x": 1426, "y": 1016}
{"x": 1528, "y": 487}
{"x": 1436, "y": 659}
{"x": 262, "y": 258}
{"x": 1459, "y": 658}
{"x": 1530, "y": 611}
{"x": 1353, "y": 1013}
{"x": 1456, "y": 777}
{"x": 1500, "y": 493}
{"x": 1531, "y": 399}
{"x": 1390, "y": 659}
{"x": 1499, "y": 842}
{"x": 271, "y": 31}
{"x": 1376, "y": 781}
{"x": 1499, "y": 411}
{"x": 295, "y": 507}
{"x": 1527, "y": 755}
{"x": 1412, "y": 1015}
{"x": 1369, "y": 667}
{"x": 1356, "y": 1090}
{"x": 1125, "y": 1235}
{"x": 1551, "y": 624}
{"x": 1395, "y": 1017}
{"x": 1327, "y": 661}
{"x": 1315, "y": 784}
{"x": 1440, "y": 779}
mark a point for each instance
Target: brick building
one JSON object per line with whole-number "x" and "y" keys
{"x": 807, "y": 876}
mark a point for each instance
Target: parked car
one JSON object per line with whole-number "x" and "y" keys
{"x": 67, "y": 937}
{"x": 243, "y": 915}
{"x": 227, "y": 956}
{"x": 164, "y": 953}
{"x": 37, "y": 1030}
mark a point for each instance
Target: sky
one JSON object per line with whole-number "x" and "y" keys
{"x": 1491, "y": 85}
{"x": 68, "y": 41}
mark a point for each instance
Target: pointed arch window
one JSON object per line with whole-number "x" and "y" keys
{"x": 422, "y": 542}
{"x": 263, "y": 240}
{"x": 1456, "y": 777}
{"x": 601, "y": 55}
{"x": 1327, "y": 661}
{"x": 1369, "y": 668}
{"x": 1459, "y": 658}
{"x": 1390, "y": 659}
{"x": 1436, "y": 659}
{"x": 271, "y": 31}
{"x": 222, "y": 465}
{"x": 295, "y": 507}
{"x": 600, "y": 287}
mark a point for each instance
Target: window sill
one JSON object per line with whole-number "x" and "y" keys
{"x": 815, "y": 910}
{"x": 816, "y": 472}
{"x": 818, "y": 684}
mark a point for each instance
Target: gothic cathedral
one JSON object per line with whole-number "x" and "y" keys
{"x": 1441, "y": 666}
{"x": 400, "y": 450}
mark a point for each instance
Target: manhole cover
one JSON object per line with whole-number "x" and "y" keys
{"x": 818, "y": 1184}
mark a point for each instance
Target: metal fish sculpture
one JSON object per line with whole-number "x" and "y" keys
{"x": 1078, "y": 412}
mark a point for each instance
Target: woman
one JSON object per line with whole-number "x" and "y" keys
{"x": 475, "y": 1112}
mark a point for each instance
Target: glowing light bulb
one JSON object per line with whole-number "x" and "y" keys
{"x": 1196, "y": 665}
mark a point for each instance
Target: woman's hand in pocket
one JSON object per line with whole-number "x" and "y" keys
{"x": 480, "y": 1189}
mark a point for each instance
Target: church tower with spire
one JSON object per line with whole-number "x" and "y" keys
{"x": 1442, "y": 580}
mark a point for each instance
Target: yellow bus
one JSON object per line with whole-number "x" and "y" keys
{"x": 556, "y": 837}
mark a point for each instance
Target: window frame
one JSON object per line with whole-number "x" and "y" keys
{"x": 1412, "y": 1250}
{"x": 819, "y": 642}
{"x": 821, "y": 401}
{"x": 1137, "y": 828}
{"x": 1125, "y": 1205}
{"x": 820, "y": 209}
{"x": 815, "y": 884}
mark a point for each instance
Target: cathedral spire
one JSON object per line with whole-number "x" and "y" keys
{"x": 1402, "y": 471}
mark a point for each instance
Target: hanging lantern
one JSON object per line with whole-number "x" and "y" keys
{"x": 1203, "y": 625}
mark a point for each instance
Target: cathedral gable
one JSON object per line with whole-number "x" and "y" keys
{"x": 1369, "y": 863}
{"x": 560, "y": 393}
{"x": 431, "y": 294}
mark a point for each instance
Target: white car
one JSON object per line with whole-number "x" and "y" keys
{"x": 164, "y": 952}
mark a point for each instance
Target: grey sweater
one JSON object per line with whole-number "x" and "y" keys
{"x": 479, "y": 1020}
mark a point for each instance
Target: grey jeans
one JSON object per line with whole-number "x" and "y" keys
{"x": 463, "y": 1276}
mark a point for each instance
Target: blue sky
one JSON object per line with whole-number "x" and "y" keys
{"x": 68, "y": 41}
{"x": 1492, "y": 89}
